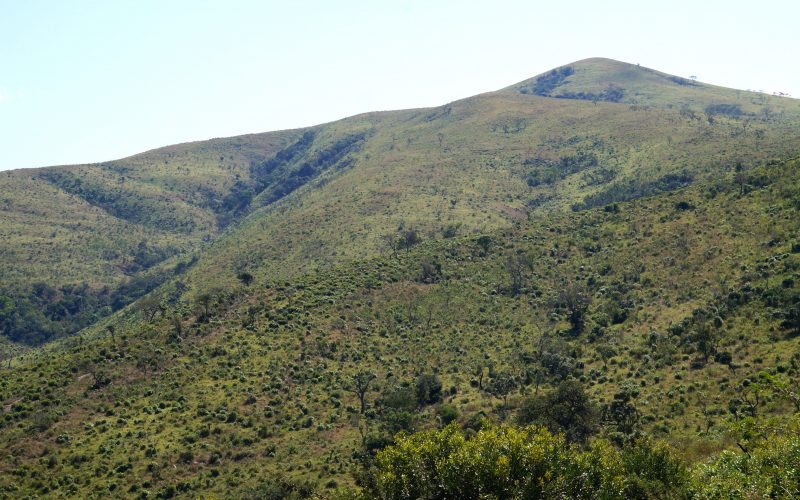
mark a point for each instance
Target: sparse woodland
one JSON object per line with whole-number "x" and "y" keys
{"x": 562, "y": 289}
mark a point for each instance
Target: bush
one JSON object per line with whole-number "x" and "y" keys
{"x": 279, "y": 488}
{"x": 506, "y": 462}
{"x": 544, "y": 84}
{"x": 567, "y": 409}
{"x": 653, "y": 471}
{"x": 450, "y": 231}
{"x": 724, "y": 358}
{"x": 633, "y": 189}
{"x": 186, "y": 457}
{"x": 428, "y": 389}
{"x": 447, "y": 414}
{"x": 430, "y": 272}
{"x": 732, "y": 110}
{"x": 768, "y": 470}
{"x": 246, "y": 278}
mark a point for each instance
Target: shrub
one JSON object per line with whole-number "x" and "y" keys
{"x": 428, "y": 389}
{"x": 447, "y": 414}
{"x": 732, "y": 110}
{"x": 430, "y": 272}
{"x": 245, "y": 277}
{"x": 768, "y": 470}
{"x": 567, "y": 409}
{"x": 544, "y": 84}
{"x": 506, "y": 462}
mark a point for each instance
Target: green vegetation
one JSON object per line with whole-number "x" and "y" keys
{"x": 545, "y": 84}
{"x": 323, "y": 371}
{"x": 282, "y": 204}
{"x": 389, "y": 306}
{"x": 103, "y": 235}
{"x": 504, "y": 462}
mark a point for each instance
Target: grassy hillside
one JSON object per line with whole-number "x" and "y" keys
{"x": 687, "y": 297}
{"x": 95, "y": 237}
{"x": 489, "y": 161}
{"x": 599, "y": 79}
{"x": 261, "y": 315}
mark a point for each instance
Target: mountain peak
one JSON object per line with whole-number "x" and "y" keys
{"x": 603, "y": 79}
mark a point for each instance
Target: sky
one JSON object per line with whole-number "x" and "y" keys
{"x": 89, "y": 81}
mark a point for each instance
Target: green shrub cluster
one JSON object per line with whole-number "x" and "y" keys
{"x": 529, "y": 462}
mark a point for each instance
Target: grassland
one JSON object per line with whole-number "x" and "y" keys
{"x": 494, "y": 248}
{"x": 469, "y": 164}
{"x": 284, "y": 203}
{"x": 258, "y": 387}
{"x": 96, "y": 237}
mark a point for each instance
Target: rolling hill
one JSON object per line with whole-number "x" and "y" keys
{"x": 261, "y": 314}
{"x": 487, "y": 161}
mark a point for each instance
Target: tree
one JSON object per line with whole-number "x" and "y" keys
{"x": 429, "y": 310}
{"x": 606, "y": 352}
{"x": 740, "y": 178}
{"x": 359, "y": 385}
{"x": 150, "y": 306}
{"x": 397, "y": 405}
{"x": 791, "y": 319}
{"x": 447, "y": 413}
{"x": 567, "y": 409}
{"x": 204, "y": 300}
{"x": 112, "y": 331}
{"x": 480, "y": 371}
{"x": 506, "y": 462}
{"x": 706, "y": 339}
{"x": 724, "y": 358}
{"x": 484, "y": 242}
{"x": 177, "y": 328}
{"x": 501, "y": 385}
{"x": 428, "y": 389}
{"x": 517, "y": 264}
{"x": 391, "y": 244}
{"x": 575, "y": 299}
{"x": 747, "y": 400}
{"x": 149, "y": 359}
{"x": 99, "y": 377}
{"x": 786, "y": 387}
{"x": 430, "y": 271}
{"x": 246, "y": 278}
{"x": 622, "y": 414}
{"x": 409, "y": 238}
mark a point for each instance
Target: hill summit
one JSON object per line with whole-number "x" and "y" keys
{"x": 604, "y": 252}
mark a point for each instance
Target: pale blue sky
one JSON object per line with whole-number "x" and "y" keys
{"x": 87, "y": 81}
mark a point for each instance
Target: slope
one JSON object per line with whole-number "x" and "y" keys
{"x": 689, "y": 297}
{"x": 599, "y": 79}
{"x": 348, "y": 189}
{"x": 464, "y": 244}
{"x": 82, "y": 240}
{"x": 491, "y": 160}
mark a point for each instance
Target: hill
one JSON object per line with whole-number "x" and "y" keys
{"x": 485, "y": 162}
{"x": 82, "y": 241}
{"x": 397, "y": 271}
{"x": 336, "y": 192}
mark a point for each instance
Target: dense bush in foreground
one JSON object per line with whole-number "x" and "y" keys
{"x": 507, "y": 462}
{"x": 530, "y": 462}
{"x": 771, "y": 470}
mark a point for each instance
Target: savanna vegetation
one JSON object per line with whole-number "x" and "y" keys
{"x": 510, "y": 296}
